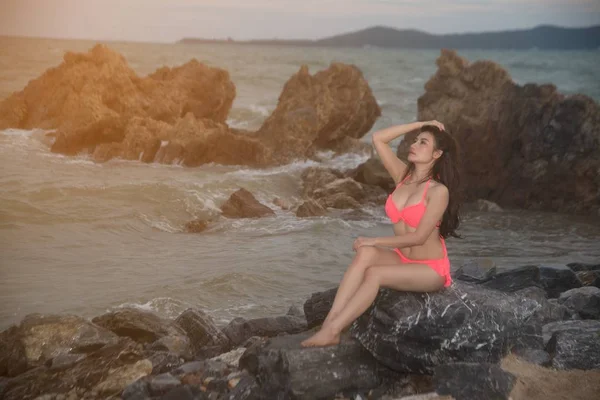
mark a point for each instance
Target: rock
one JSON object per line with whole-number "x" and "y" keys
{"x": 139, "y": 325}
{"x": 310, "y": 208}
{"x": 196, "y": 226}
{"x": 484, "y": 205}
{"x": 64, "y": 361}
{"x": 39, "y": 338}
{"x": 467, "y": 381}
{"x": 556, "y": 279}
{"x": 238, "y": 331}
{"x": 538, "y": 136}
{"x": 179, "y": 345}
{"x": 246, "y": 389}
{"x": 317, "y": 307}
{"x": 231, "y": 358}
{"x": 589, "y": 278}
{"x": 203, "y": 369}
{"x": 514, "y": 279}
{"x": 372, "y": 172}
{"x": 88, "y": 87}
{"x": 585, "y": 301}
{"x": 286, "y": 370}
{"x": 330, "y": 110}
{"x": 476, "y": 270}
{"x": 347, "y": 193}
{"x": 295, "y": 311}
{"x": 201, "y": 330}
{"x": 580, "y": 350}
{"x": 314, "y": 178}
{"x": 162, "y": 383}
{"x": 242, "y": 204}
{"x": 137, "y": 390}
{"x": 185, "y": 392}
{"x": 163, "y": 361}
{"x": 415, "y": 332}
{"x": 106, "y": 372}
{"x": 579, "y": 267}
{"x": 570, "y": 328}
{"x": 534, "y": 356}
{"x": 550, "y": 310}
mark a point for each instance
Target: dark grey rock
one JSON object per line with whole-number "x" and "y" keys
{"x": 64, "y": 361}
{"x": 140, "y": 325}
{"x": 163, "y": 383}
{"x": 585, "y": 301}
{"x": 415, "y": 332}
{"x": 218, "y": 385}
{"x": 205, "y": 368}
{"x": 202, "y": 331}
{"x": 138, "y": 390}
{"x": 468, "y": 381}
{"x": 575, "y": 350}
{"x": 534, "y": 356}
{"x": 163, "y": 361}
{"x": 240, "y": 330}
{"x": 589, "y": 278}
{"x": 577, "y": 267}
{"x": 246, "y": 389}
{"x": 286, "y": 370}
{"x": 190, "y": 368}
{"x": 514, "y": 279}
{"x": 295, "y": 312}
{"x": 317, "y": 307}
{"x": 570, "y": 327}
{"x": 556, "y": 279}
{"x": 185, "y": 392}
{"x": 476, "y": 271}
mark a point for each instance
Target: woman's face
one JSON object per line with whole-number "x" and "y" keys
{"x": 423, "y": 149}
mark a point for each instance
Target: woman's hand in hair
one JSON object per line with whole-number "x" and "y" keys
{"x": 435, "y": 123}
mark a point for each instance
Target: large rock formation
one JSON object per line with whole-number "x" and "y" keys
{"x": 523, "y": 146}
{"x": 99, "y": 105}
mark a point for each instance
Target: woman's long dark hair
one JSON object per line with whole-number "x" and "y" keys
{"x": 445, "y": 170}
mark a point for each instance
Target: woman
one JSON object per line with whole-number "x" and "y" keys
{"x": 424, "y": 210}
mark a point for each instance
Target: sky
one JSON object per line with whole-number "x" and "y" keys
{"x": 171, "y": 20}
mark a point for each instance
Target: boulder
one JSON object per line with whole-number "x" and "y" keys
{"x": 476, "y": 270}
{"x": 372, "y": 172}
{"x": 142, "y": 326}
{"x": 284, "y": 369}
{"x": 537, "y": 136}
{"x": 415, "y": 332}
{"x": 242, "y": 204}
{"x": 585, "y": 301}
{"x": 202, "y": 331}
{"x": 467, "y": 381}
{"x": 239, "y": 330}
{"x": 575, "y": 350}
{"x": 40, "y": 338}
{"x": 569, "y": 327}
{"x": 317, "y": 307}
{"x": 310, "y": 208}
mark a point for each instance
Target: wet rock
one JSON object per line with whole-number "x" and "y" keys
{"x": 283, "y": 204}
{"x": 538, "y": 136}
{"x": 579, "y": 267}
{"x": 204, "y": 368}
{"x": 246, "y": 389}
{"x": 162, "y": 361}
{"x": 39, "y": 338}
{"x": 122, "y": 376}
{"x": 137, "y": 390}
{"x": 284, "y": 368}
{"x": 231, "y": 358}
{"x": 514, "y": 279}
{"x": 317, "y": 307}
{"x": 139, "y": 325}
{"x": 185, "y": 392}
{"x": 589, "y": 278}
{"x": 179, "y": 345}
{"x": 556, "y": 279}
{"x": 196, "y": 226}
{"x": 575, "y": 350}
{"x": 162, "y": 383}
{"x": 238, "y": 330}
{"x": 314, "y": 178}
{"x": 476, "y": 270}
{"x": 414, "y": 332}
{"x": 64, "y": 361}
{"x": 468, "y": 381}
{"x": 372, "y": 172}
{"x": 585, "y": 301}
{"x": 242, "y": 204}
{"x": 201, "y": 330}
{"x": 295, "y": 311}
{"x": 310, "y": 208}
{"x": 570, "y": 328}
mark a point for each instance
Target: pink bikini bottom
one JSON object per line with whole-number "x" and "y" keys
{"x": 439, "y": 265}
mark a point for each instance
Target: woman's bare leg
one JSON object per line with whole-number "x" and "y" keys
{"x": 353, "y": 277}
{"x": 408, "y": 277}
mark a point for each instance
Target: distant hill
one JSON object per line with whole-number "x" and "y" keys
{"x": 542, "y": 37}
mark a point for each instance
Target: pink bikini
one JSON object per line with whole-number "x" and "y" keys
{"x": 411, "y": 215}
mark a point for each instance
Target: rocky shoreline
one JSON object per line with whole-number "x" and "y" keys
{"x": 463, "y": 342}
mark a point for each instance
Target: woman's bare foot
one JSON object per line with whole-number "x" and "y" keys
{"x": 325, "y": 337}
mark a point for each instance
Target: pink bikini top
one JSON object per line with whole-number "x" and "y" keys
{"x": 411, "y": 215}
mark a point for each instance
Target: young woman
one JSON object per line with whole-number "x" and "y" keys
{"x": 424, "y": 211}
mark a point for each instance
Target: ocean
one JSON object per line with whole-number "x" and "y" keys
{"x": 85, "y": 238}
